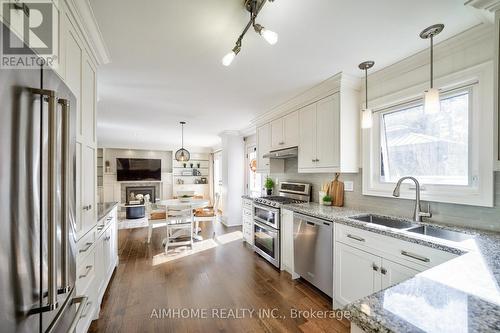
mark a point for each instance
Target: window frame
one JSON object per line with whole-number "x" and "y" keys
{"x": 480, "y": 191}
{"x": 469, "y": 89}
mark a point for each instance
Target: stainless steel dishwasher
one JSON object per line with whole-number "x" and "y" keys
{"x": 313, "y": 251}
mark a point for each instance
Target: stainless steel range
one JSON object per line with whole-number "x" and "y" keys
{"x": 266, "y": 216}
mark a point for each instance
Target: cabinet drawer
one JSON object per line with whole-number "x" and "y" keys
{"x": 84, "y": 246}
{"x": 389, "y": 247}
{"x": 354, "y": 236}
{"x": 247, "y": 204}
{"x": 247, "y": 213}
{"x": 85, "y": 273}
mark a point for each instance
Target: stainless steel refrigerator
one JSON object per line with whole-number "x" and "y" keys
{"x": 37, "y": 203}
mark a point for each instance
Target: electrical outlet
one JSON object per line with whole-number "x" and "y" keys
{"x": 349, "y": 186}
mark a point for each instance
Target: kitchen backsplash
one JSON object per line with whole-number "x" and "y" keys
{"x": 461, "y": 215}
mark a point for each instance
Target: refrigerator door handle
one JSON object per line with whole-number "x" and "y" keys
{"x": 82, "y": 300}
{"x": 51, "y": 198}
{"x": 65, "y": 286}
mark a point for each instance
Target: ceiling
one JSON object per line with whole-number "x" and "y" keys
{"x": 166, "y": 59}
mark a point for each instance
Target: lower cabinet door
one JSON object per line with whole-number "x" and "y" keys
{"x": 394, "y": 273}
{"x": 287, "y": 241}
{"x": 356, "y": 274}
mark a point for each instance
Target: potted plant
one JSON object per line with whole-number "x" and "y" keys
{"x": 269, "y": 185}
{"x": 327, "y": 200}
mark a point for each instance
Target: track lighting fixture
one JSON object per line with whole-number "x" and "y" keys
{"x": 254, "y": 7}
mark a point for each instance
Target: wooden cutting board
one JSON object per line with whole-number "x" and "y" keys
{"x": 337, "y": 192}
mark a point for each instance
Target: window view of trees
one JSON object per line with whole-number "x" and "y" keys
{"x": 431, "y": 146}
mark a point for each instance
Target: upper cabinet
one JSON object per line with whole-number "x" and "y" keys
{"x": 285, "y": 131}
{"x": 264, "y": 138}
{"x": 322, "y": 122}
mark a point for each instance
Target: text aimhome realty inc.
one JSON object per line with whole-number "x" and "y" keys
{"x": 245, "y": 313}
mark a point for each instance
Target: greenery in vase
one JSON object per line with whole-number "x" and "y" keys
{"x": 269, "y": 183}
{"x": 327, "y": 198}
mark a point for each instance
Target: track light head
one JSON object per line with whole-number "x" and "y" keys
{"x": 270, "y": 36}
{"x": 228, "y": 58}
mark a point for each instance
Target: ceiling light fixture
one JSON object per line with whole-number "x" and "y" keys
{"x": 254, "y": 7}
{"x": 366, "y": 121}
{"x": 182, "y": 155}
{"x": 432, "y": 102}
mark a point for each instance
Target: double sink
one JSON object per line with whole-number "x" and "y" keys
{"x": 409, "y": 226}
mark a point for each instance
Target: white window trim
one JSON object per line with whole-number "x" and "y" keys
{"x": 481, "y": 149}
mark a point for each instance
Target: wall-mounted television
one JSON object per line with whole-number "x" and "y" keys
{"x": 138, "y": 169}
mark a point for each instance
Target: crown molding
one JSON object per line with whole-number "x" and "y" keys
{"x": 319, "y": 91}
{"x": 488, "y": 5}
{"x": 443, "y": 49}
{"x": 85, "y": 16}
{"x": 230, "y": 133}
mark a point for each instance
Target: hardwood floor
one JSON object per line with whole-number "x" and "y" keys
{"x": 229, "y": 277}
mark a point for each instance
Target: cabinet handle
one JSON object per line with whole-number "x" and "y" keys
{"x": 313, "y": 160}
{"x": 82, "y": 300}
{"x": 87, "y": 271}
{"x": 317, "y": 160}
{"x": 375, "y": 267}
{"x": 359, "y": 239}
{"x": 415, "y": 256}
{"x": 383, "y": 270}
{"x": 281, "y": 143}
{"x": 87, "y": 247}
{"x": 100, "y": 227}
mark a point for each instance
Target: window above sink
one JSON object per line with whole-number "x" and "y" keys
{"x": 449, "y": 152}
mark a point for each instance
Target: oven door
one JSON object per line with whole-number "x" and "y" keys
{"x": 267, "y": 215}
{"x": 267, "y": 243}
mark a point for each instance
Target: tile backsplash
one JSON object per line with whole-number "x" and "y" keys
{"x": 461, "y": 215}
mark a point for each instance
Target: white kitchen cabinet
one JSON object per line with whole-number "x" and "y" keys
{"x": 285, "y": 131}
{"x": 329, "y": 134}
{"x": 394, "y": 273}
{"x": 247, "y": 221}
{"x": 366, "y": 262}
{"x": 88, "y": 105}
{"x": 265, "y": 165}
{"x": 88, "y": 194}
{"x": 355, "y": 274}
{"x": 307, "y": 137}
{"x": 287, "y": 257}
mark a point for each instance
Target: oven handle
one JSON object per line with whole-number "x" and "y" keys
{"x": 258, "y": 219}
{"x": 271, "y": 209}
{"x": 266, "y": 227}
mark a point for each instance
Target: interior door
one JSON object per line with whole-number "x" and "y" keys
{"x": 218, "y": 178}
{"x": 394, "y": 273}
{"x": 356, "y": 273}
{"x": 307, "y": 137}
{"x": 327, "y": 132}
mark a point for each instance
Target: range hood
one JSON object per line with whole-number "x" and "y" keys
{"x": 283, "y": 153}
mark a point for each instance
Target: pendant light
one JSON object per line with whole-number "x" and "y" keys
{"x": 366, "y": 120}
{"x": 432, "y": 102}
{"x": 182, "y": 155}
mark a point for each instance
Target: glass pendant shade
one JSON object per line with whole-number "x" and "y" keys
{"x": 432, "y": 103}
{"x": 366, "y": 118}
{"x": 182, "y": 155}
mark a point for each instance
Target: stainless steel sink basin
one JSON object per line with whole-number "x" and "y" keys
{"x": 440, "y": 233}
{"x": 385, "y": 221}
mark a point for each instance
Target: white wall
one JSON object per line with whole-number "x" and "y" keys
{"x": 233, "y": 177}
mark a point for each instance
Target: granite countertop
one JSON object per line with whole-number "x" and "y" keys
{"x": 104, "y": 208}
{"x": 246, "y": 196}
{"x": 460, "y": 295}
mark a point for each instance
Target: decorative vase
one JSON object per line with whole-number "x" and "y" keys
{"x": 191, "y": 165}
{"x": 269, "y": 191}
{"x": 198, "y": 165}
{"x": 326, "y": 203}
{"x": 184, "y": 164}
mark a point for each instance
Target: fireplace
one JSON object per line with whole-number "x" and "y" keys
{"x": 132, "y": 193}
